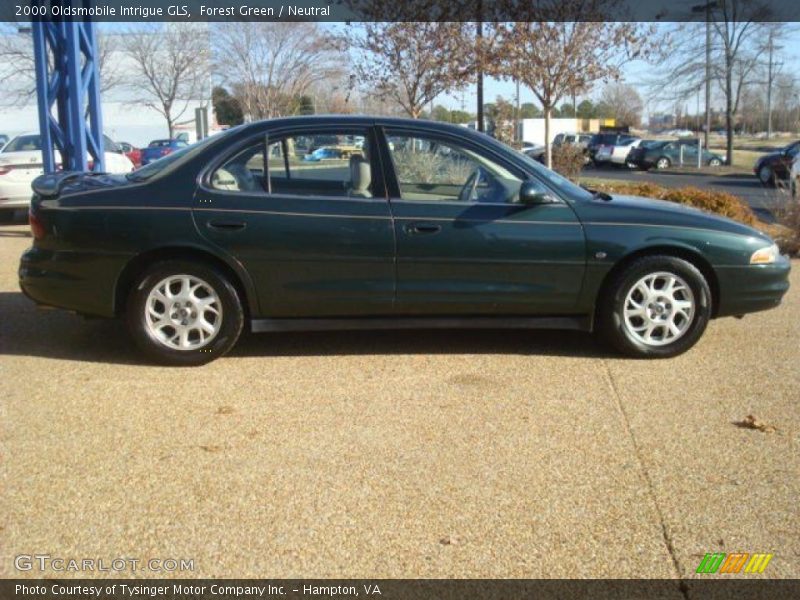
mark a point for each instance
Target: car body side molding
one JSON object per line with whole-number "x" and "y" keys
{"x": 579, "y": 323}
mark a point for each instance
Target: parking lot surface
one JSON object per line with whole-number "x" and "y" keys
{"x": 398, "y": 454}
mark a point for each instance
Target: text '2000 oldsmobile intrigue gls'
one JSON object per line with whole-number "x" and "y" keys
{"x": 358, "y": 222}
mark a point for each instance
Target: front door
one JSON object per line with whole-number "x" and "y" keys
{"x": 464, "y": 245}
{"x": 305, "y": 213}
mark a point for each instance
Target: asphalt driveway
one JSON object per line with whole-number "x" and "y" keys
{"x": 398, "y": 454}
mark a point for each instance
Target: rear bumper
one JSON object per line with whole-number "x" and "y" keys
{"x": 69, "y": 280}
{"x": 752, "y": 288}
{"x": 15, "y": 202}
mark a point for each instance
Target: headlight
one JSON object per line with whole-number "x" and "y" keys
{"x": 765, "y": 256}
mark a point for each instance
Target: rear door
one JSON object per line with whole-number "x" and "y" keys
{"x": 311, "y": 225}
{"x": 464, "y": 245}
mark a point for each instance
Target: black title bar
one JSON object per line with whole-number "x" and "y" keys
{"x": 401, "y": 10}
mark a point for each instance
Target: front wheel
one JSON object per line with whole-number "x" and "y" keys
{"x": 663, "y": 163}
{"x": 657, "y": 307}
{"x": 184, "y": 313}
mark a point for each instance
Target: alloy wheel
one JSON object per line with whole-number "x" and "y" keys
{"x": 183, "y": 312}
{"x": 658, "y": 309}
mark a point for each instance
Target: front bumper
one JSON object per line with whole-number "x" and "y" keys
{"x": 751, "y": 288}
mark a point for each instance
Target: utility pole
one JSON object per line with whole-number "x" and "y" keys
{"x": 771, "y": 48}
{"x": 706, "y": 8}
{"x": 517, "y": 128}
{"x": 708, "y": 74}
{"x": 480, "y": 66}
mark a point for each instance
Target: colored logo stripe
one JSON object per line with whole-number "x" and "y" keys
{"x": 711, "y": 563}
{"x": 758, "y": 563}
{"x": 733, "y": 563}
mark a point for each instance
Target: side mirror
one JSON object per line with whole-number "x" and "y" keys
{"x": 531, "y": 194}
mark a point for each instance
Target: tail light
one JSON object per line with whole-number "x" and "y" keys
{"x": 5, "y": 170}
{"x": 37, "y": 228}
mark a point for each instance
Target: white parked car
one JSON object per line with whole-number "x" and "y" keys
{"x": 618, "y": 152}
{"x": 794, "y": 177}
{"x": 21, "y": 163}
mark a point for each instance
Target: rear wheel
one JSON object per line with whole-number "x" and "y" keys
{"x": 657, "y": 307}
{"x": 765, "y": 175}
{"x": 184, "y": 313}
{"x": 714, "y": 162}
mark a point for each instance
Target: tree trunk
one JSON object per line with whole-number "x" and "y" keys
{"x": 170, "y": 127}
{"x": 729, "y": 111}
{"x": 548, "y": 151}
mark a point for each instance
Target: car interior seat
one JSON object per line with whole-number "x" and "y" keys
{"x": 360, "y": 177}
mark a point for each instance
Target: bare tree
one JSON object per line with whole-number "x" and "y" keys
{"x": 739, "y": 40}
{"x": 561, "y": 50}
{"x": 624, "y": 102}
{"x": 171, "y": 67}
{"x": 413, "y": 63}
{"x": 18, "y": 70}
{"x": 270, "y": 65}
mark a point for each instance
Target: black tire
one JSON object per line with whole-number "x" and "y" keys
{"x": 766, "y": 175}
{"x": 228, "y": 331}
{"x": 610, "y": 318}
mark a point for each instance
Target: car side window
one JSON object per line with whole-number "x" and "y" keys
{"x": 244, "y": 172}
{"x": 428, "y": 169}
{"x": 301, "y": 165}
{"x": 328, "y": 164}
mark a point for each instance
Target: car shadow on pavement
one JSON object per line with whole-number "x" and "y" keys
{"x": 63, "y": 335}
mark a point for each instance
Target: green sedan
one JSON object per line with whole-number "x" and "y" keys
{"x": 427, "y": 225}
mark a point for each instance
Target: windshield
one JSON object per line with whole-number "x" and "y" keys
{"x": 162, "y": 164}
{"x": 24, "y": 143}
{"x": 562, "y": 184}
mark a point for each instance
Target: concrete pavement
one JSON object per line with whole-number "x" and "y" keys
{"x": 398, "y": 454}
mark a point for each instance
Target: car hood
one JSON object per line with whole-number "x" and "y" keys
{"x": 770, "y": 156}
{"x": 647, "y": 211}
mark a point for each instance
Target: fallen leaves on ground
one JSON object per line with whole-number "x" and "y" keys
{"x": 751, "y": 422}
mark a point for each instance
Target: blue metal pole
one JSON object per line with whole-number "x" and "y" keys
{"x": 43, "y": 94}
{"x": 73, "y": 87}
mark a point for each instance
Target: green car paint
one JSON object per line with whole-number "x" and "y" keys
{"x": 325, "y": 256}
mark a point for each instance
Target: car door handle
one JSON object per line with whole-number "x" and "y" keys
{"x": 422, "y": 228}
{"x": 225, "y": 225}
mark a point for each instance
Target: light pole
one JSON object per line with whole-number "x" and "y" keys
{"x": 706, "y": 8}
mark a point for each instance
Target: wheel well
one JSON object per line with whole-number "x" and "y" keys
{"x": 694, "y": 258}
{"x": 140, "y": 263}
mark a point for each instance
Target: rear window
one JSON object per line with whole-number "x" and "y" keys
{"x": 24, "y": 143}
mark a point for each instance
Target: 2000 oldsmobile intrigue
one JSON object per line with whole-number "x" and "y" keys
{"x": 402, "y": 224}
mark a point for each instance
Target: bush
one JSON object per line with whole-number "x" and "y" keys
{"x": 722, "y": 203}
{"x": 789, "y": 237}
{"x": 568, "y": 160}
